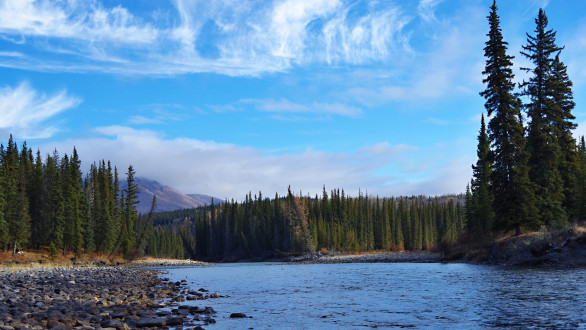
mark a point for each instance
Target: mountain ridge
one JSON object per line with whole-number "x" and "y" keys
{"x": 168, "y": 198}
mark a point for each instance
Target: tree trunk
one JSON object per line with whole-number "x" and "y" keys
{"x": 517, "y": 230}
{"x": 14, "y": 248}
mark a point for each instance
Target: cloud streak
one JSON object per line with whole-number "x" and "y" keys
{"x": 225, "y": 36}
{"x": 286, "y": 106}
{"x": 24, "y": 111}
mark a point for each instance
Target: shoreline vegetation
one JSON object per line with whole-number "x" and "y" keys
{"x": 565, "y": 247}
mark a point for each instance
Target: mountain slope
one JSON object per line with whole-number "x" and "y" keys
{"x": 168, "y": 199}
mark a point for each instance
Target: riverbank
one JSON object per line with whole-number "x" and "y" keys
{"x": 94, "y": 297}
{"x": 388, "y": 257}
{"x": 564, "y": 248}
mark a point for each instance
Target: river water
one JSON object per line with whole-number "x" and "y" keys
{"x": 389, "y": 295}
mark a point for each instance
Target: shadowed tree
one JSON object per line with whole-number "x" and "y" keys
{"x": 481, "y": 217}
{"x": 543, "y": 145}
{"x": 514, "y": 204}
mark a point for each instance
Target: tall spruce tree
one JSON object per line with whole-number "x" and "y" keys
{"x": 3, "y": 186}
{"x": 77, "y": 204}
{"x": 563, "y": 102}
{"x": 514, "y": 204}
{"x": 16, "y": 211}
{"x": 543, "y": 144}
{"x": 129, "y": 212}
{"x": 481, "y": 217}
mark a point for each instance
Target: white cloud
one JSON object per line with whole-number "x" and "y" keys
{"x": 426, "y": 9}
{"x": 24, "y": 112}
{"x": 231, "y": 171}
{"x": 452, "y": 66}
{"x": 286, "y": 106}
{"x": 143, "y": 120}
{"x": 82, "y": 20}
{"x": 225, "y": 36}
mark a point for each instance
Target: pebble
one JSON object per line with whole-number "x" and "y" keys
{"x": 93, "y": 297}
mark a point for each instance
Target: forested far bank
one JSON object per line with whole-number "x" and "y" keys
{"x": 300, "y": 224}
{"x": 49, "y": 204}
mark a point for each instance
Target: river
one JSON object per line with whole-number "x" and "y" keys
{"x": 389, "y": 295}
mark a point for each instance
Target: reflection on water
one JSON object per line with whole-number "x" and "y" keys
{"x": 285, "y": 296}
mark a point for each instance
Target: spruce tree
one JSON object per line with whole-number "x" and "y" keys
{"x": 39, "y": 205}
{"x": 563, "y": 103}
{"x": 514, "y": 204}
{"x": 56, "y": 201}
{"x": 16, "y": 211}
{"x": 481, "y": 215}
{"x": 129, "y": 212}
{"x": 543, "y": 145}
{"x": 77, "y": 214}
{"x": 89, "y": 235}
{"x": 3, "y": 188}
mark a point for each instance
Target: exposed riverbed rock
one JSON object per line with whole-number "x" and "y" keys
{"x": 91, "y": 297}
{"x": 326, "y": 258}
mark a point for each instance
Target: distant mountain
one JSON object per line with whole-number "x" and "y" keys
{"x": 168, "y": 199}
{"x": 205, "y": 199}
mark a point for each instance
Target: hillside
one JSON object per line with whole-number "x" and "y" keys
{"x": 168, "y": 199}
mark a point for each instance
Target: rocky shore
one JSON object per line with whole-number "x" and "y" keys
{"x": 162, "y": 262}
{"x": 325, "y": 258}
{"x": 98, "y": 297}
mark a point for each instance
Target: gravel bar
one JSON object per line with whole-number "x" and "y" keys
{"x": 395, "y": 257}
{"x": 98, "y": 297}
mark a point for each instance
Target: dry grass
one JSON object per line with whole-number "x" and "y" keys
{"x": 36, "y": 258}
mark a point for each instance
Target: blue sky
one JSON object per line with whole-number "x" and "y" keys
{"x": 225, "y": 97}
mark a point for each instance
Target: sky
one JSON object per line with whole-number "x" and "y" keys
{"x": 227, "y": 97}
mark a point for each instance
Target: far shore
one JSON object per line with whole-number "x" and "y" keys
{"x": 373, "y": 257}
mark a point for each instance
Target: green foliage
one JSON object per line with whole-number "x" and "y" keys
{"x": 50, "y": 205}
{"x": 546, "y": 117}
{"x": 514, "y": 204}
{"x": 53, "y": 251}
{"x": 479, "y": 204}
{"x": 16, "y": 217}
{"x": 297, "y": 224}
{"x": 129, "y": 215}
{"x": 533, "y": 179}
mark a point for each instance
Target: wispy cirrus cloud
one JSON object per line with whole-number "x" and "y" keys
{"x": 452, "y": 65}
{"x": 426, "y": 9}
{"x": 225, "y": 36}
{"x": 24, "y": 111}
{"x": 84, "y": 21}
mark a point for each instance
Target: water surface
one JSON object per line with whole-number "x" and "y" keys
{"x": 289, "y": 296}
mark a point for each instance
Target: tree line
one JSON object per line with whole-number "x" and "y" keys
{"x": 299, "y": 224}
{"x": 49, "y": 204}
{"x": 530, "y": 170}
